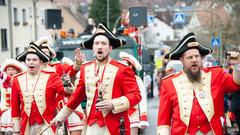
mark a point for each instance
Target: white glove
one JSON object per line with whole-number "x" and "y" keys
{"x": 62, "y": 116}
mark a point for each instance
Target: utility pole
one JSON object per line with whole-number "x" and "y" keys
{"x": 10, "y": 27}
{"x": 35, "y": 18}
{"x": 108, "y": 13}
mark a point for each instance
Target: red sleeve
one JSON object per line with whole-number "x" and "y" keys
{"x": 8, "y": 80}
{"x": 15, "y": 98}
{"x": 79, "y": 93}
{"x": 225, "y": 79}
{"x": 165, "y": 105}
{"x": 130, "y": 86}
{"x": 55, "y": 82}
{"x": 71, "y": 71}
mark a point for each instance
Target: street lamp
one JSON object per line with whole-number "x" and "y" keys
{"x": 116, "y": 23}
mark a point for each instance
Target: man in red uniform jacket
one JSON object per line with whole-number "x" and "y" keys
{"x": 110, "y": 87}
{"x": 192, "y": 101}
{"x": 34, "y": 94}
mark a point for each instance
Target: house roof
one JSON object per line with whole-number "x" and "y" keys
{"x": 212, "y": 14}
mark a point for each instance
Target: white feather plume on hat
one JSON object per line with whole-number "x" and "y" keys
{"x": 14, "y": 63}
{"x": 44, "y": 42}
{"x": 66, "y": 60}
{"x": 131, "y": 59}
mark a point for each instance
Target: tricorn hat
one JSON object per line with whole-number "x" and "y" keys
{"x": 102, "y": 30}
{"x": 43, "y": 42}
{"x": 188, "y": 42}
{"x": 131, "y": 59}
{"x": 34, "y": 49}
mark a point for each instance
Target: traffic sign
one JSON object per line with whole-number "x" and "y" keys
{"x": 215, "y": 41}
{"x": 179, "y": 18}
{"x": 150, "y": 19}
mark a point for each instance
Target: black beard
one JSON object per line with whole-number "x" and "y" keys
{"x": 193, "y": 77}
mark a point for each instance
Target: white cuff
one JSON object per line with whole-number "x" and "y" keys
{"x": 163, "y": 130}
{"x": 144, "y": 123}
{"x": 63, "y": 114}
{"x": 120, "y": 104}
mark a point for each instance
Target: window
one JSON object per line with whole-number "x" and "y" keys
{"x": 4, "y": 39}
{"x": 30, "y": 12}
{"x": 15, "y": 15}
{"x": 24, "y": 18}
{"x": 168, "y": 37}
{"x": 2, "y": 2}
{"x": 17, "y": 51}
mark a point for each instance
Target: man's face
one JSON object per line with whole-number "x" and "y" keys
{"x": 192, "y": 62}
{"x": 33, "y": 63}
{"x": 101, "y": 48}
{"x": 70, "y": 34}
{"x": 46, "y": 51}
{"x": 11, "y": 71}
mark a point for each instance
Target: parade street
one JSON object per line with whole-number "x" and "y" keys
{"x": 152, "y": 116}
{"x": 120, "y": 67}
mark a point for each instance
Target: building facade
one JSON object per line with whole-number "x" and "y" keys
{"x": 18, "y": 27}
{"x": 4, "y": 31}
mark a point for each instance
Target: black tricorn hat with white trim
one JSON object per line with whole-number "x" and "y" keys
{"x": 188, "y": 42}
{"x": 34, "y": 49}
{"x": 102, "y": 30}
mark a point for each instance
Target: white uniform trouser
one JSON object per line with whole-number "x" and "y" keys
{"x": 96, "y": 130}
{"x": 6, "y": 123}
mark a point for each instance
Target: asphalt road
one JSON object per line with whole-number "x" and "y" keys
{"x": 152, "y": 116}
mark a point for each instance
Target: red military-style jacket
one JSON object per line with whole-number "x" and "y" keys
{"x": 119, "y": 85}
{"x": 60, "y": 69}
{"x": 176, "y": 100}
{"x": 48, "y": 84}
